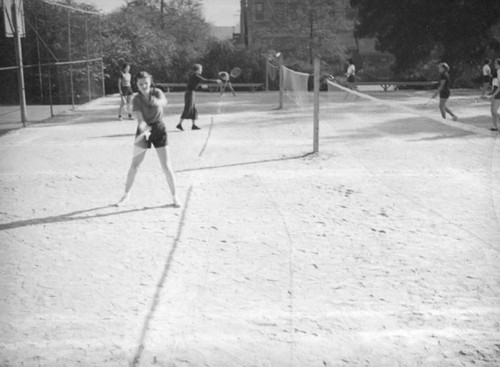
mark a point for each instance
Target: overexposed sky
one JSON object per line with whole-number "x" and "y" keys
{"x": 217, "y": 12}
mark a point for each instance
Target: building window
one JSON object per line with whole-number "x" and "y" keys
{"x": 280, "y": 12}
{"x": 259, "y": 10}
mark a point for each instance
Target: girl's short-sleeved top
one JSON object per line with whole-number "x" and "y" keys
{"x": 126, "y": 80}
{"x": 446, "y": 85}
{"x": 150, "y": 112}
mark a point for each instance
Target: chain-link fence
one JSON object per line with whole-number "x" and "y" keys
{"x": 62, "y": 56}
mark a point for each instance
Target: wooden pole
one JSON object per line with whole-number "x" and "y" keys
{"x": 316, "y": 105}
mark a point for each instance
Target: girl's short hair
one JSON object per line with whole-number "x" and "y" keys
{"x": 124, "y": 66}
{"x": 486, "y": 61}
{"x": 196, "y": 67}
{"x": 445, "y": 66}
{"x": 143, "y": 75}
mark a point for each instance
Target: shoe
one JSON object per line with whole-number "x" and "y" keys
{"x": 493, "y": 129}
{"x": 179, "y": 126}
{"x": 130, "y": 116}
{"x": 195, "y": 127}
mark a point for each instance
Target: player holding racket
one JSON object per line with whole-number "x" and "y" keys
{"x": 190, "y": 112}
{"x": 148, "y": 107}
{"x": 444, "y": 90}
{"x": 226, "y": 82}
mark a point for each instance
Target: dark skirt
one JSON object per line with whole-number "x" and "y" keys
{"x": 190, "y": 112}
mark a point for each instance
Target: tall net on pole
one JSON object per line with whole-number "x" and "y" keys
{"x": 62, "y": 56}
{"x": 295, "y": 86}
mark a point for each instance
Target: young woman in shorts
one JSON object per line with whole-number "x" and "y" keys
{"x": 148, "y": 106}
{"x": 125, "y": 89}
{"x": 444, "y": 90}
{"x": 486, "y": 77}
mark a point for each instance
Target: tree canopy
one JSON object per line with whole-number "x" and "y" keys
{"x": 459, "y": 32}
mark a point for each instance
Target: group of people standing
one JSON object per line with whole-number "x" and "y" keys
{"x": 148, "y": 108}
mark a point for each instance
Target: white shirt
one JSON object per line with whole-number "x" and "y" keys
{"x": 486, "y": 70}
{"x": 351, "y": 70}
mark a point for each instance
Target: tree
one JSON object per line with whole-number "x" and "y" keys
{"x": 418, "y": 31}
{"x": 304, "y": 29}
{"x": 164, "y": 44}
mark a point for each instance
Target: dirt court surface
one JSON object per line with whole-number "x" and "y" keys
{"x": 380, "y": 250}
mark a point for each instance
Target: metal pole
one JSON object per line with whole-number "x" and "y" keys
{"x": 267, "y": 75}
{"x": 280, "y": 68}
{"x": 40, "y": 76}
{"x": 19, "y": 57}
{"x": 70, "y": 67}
{"x": 316, "y": 105}
{"x": 88, "y": 58}
{"x": 50, "y": 92}
{"x": 102, "y": 59}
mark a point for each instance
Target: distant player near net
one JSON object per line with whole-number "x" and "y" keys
{"x": 190, "y": 112}
{"x": 495, "y": 98}
{"x": 486, "y": 77}
{"x": 125, "y": 89}
{"x": 351, "y": 77}
{"x": 226, "y": 82}
{"x": 444, "y": 90}
{"x": 148, "y": 107}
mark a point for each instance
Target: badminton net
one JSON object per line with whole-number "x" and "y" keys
{"x": 339, "y": 93}
{"x": 295, "y": 86}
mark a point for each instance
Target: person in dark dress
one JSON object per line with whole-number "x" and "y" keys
{"x": 444, "y": 90}
{"x": 190, "y": 112}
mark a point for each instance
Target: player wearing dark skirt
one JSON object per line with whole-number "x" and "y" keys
{"x": 190, "y": 112}
{"x": 444, "y": 90}
{"x": 148, "y": 107}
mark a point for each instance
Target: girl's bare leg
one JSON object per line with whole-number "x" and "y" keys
{"x": 166, "y": 166}
{"x": 139, "y": 154}
{"x": 122, "y": 104}
{"x": 495, "y": 115}
{"x": 129, "y": 106}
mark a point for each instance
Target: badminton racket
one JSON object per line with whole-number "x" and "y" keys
{"x": 235, "y": 72}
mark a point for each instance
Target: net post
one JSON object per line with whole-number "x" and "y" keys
{"x": 280, "y": 72}
{"x": 19, "y": 56}
{"x": 316, "y": 104}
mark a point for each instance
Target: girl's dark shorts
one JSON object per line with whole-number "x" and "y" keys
{"x": 158, "y": 137}
{"x": 127, "y": 91}
{"x": 486, "y": 79}
{"x": 351, "y": 79}
{"x": 444, "y": 94}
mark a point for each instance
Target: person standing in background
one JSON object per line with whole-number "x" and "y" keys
{"x": 444, "y": 90}
{"x": 190, "y": 112}
{"x": 125, "y": 89}
{"x": 495, "y": 97}
{"x": 486, "y": 77}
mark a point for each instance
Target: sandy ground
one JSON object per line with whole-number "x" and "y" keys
{"x": 381, "y": 250}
